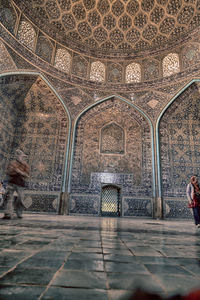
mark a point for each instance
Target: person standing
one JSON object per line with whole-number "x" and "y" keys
{"x": 193, "y": 196}
{"x": 17, "y": 171}
{"x": 2, "y": 192}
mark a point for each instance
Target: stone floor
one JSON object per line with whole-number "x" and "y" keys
{"x": 79, "y": 257}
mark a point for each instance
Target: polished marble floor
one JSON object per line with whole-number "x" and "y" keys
{"x": 80, "y": 257}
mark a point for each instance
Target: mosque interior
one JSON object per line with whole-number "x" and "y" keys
{"x": 103, "y": 97}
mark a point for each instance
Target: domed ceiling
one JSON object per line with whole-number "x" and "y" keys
{"x": 109, "y": 27}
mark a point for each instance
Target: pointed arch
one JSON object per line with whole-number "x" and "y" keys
{"x": 137, "y": 109}
{"x": 64, "y": 107}
{"x": 157, "y": 139}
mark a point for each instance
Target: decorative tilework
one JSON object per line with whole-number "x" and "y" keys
{"x": 131, "y": 169}
{"x": 40, "y": 202}
{"x": 84, "y": 204}
{"x": 151, "y": 69}
{"x": 79, "y": 66}
{"x": 33, "y": 119}
{"x": 79, "y": 93}
{"x": 180, "y": 142}
{"x": 44, "y": 48}
{"x": 136, "y": 207}
{"x": 190, "y": 55}
{"x": 161, "y": 23}
{"x": 26, "y": 34}
{"x": 6, "y": 61}
{"x": 112, "y": 139}
{"x": 177, "y": 209}
{"x": 114, "y": 73}
{"x": 8, "y": 15}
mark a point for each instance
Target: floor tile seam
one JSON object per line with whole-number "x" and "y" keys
{"x": 154, "y": 275}
{"x": 156, "y": 279}
{"x": 121, "y": 230}
{"x": 27, "y": 257}
{"x": 177, "y": 275}
{"x": 21, "y": 284}
{"x": 129, "y": 249}
{"x": 21, "y": 261}
{"x": 193, "y": 274}
{"x": 104, "y": 267}
{"x": 21, "y": 243}
{"x": 75, "y": 287}
{"x": 162, "y": 253}
{"x": 9, "y": 237}
{"x": 54, "y": 276}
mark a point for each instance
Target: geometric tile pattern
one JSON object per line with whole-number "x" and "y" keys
{"x": 137, "y": 207}
{"x": 42, "y": 135}
{"x": 110, "y": 201}
{"x": 130, "y": 170}
{"x": 180, "y": 143}
{"x": 177, "y": 209}
{"x": 115, "y": 39}
{"x": 6, "y": 61}
{"x": 11, "y": 95}
{"x": 112, "y": 139}
{"x": 41, "y": 202}
{"x": 114, "y": 26}
{"x": 84, "y": 204}
{"x": 33, "y": 119}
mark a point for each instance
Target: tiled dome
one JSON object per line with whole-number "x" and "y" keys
{"x": 110, "y": 27}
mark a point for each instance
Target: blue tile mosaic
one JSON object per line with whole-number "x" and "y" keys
{"x": 177, "y": 209}
{"x": 84, "y": 204}
{"x": 137, "y": 207}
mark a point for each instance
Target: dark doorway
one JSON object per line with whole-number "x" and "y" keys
{"x": 110, "y": 201}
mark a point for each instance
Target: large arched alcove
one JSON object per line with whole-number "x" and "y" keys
{"x": 129, "y": 164}
{"x": 34, "y": 120}
{"x": 179, "y": 138}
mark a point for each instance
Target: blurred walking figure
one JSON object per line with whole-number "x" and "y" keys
{"x": 2, "y": 192}
{"x": 193, "y": 195}
{"x": 17, "y": 171}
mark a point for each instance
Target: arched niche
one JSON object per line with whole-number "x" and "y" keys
{"x": 131, "y": 167}
{"x": 179, "y": 144}
{"x": 35, "y": 120}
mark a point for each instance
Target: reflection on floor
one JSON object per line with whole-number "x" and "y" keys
{"x": 79, "y": 257}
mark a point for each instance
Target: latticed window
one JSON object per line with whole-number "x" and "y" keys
{"x": 63, "y": 60}
{"x": 133, "y": 73}
{"x": 26, "y": 34}
{"x": 97, "y": 72}
{"x": 171, "y": 64}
